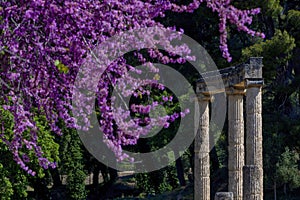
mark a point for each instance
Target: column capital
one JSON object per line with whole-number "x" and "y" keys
{"x": 235, "y": 91}
{"x": 204, "y": 97}
{"x": 254, "y": 82}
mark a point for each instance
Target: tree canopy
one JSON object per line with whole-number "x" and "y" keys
{"x": 44, "y": 43}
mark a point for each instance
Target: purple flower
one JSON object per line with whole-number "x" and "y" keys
{"x": 166, "y": 125}
{"x": 164, "y": 98}
{"x": 63, "y": 37}
{"x": 25, "y": 158}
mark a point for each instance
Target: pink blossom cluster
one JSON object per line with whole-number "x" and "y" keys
{"x": 240, "y": 18}
{"x": 44, "y": 43}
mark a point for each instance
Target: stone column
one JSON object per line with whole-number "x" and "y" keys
{"x": 236, "y": 142}
{"x": 254, "y": 154}
{"x": 224, "y": 196}
{"x": 252, "y": 189}
{"x": 202, "y": 164}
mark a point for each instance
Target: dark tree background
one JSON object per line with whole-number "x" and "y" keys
{"x": 280, "y": 21}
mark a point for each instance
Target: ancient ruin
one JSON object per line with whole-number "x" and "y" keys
{"x": 245, "y": 161}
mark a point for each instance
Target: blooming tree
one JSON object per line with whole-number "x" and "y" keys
{"x": 43, "y": 44}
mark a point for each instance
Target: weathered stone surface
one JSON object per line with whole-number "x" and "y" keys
{"x": 254, "y": 138}
{"x": 231, "y": 76}
{"x": 236, "y": 183}
{"x": 203, "y": 187}
{"x": 202, "y": 163}
{"x": 204, "y": 167}
{"x": 239, "y": 80}
{"x": 251, "y": 185}
{"x": 236, "y": 159}
{"x": 224, "y": 196}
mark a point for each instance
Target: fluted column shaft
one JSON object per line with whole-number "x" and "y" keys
{"x": 252, "y": 189}
{"x": 254, "y": 139}
{"x": 202, "y": 164}
{"x": 236, "y": 159}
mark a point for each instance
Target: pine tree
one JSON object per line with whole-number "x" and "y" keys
{"x": 72, "y": 165}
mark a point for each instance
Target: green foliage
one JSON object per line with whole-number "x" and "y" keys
{"x": 6, "y": 187}
{"x": 72, "y": 164}
{"x": 280, "y": 129}
{"x": 276, "y": 52}
{"x": 271, "y": 7}
{"x": 293, "y": 24}
{"x": 75, "y": 184}
{"x": 221, "y": 148}
{"x": 159, "y": 181}
{"x": 14, "y": 180}
{"x": 268, "y": 7}
{"x": 287, "y": 168}
{"x": 61, "y": 67}
{"x": 47, "y": 142}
